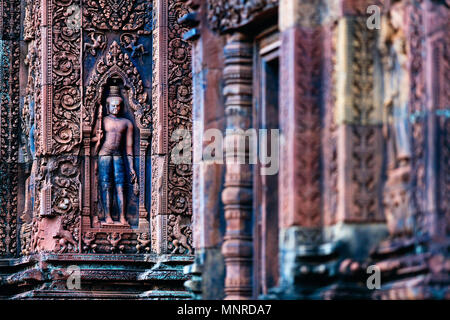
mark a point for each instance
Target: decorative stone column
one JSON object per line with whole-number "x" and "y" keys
{"x": 171, "y": 209}
{"x": 237, "y": 194}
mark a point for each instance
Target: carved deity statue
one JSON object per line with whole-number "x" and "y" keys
{"x": 396, "y": 128}
{"x": 114, "y": 137}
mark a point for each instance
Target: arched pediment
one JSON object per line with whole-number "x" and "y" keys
{"x": 116, "y": 63}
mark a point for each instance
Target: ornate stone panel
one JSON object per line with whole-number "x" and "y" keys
{"x": 300, "y": 81}
{"x": 115, "y": 15}
{"x": 9, "y": 146}
{"x": 180, "y": 117}
{"x": 330, "y": 136}
{"x": 172, "y": 98}
{"x": 358, "y": 115}
{"x": 31, "y": 122}
{"x": 56, "y": 188}
{"x": 117, "y": 54}
{"x": 77, "y": 52}
{"x": 9, "y": 124}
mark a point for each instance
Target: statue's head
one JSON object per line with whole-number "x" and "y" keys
{"x": 114, "y": 101}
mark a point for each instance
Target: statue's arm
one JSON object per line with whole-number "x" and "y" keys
{"x": 130, "y": 144}
{"x": 130, "y": 157}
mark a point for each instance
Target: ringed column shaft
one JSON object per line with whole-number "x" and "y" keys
{"x": 237, "y": 194}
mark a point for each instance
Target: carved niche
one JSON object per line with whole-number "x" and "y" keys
{"x": 117, "y": 51}
{"x": 116, "y": 65}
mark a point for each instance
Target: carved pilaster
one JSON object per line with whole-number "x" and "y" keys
{"x": 358, "y": 117}
{"x": 172, "y": 103}
{"x": 300, "y": 83}
{"x": 58, "y": 122}
{"x": 9, "y": 124}
{"x": 237, "y": 194}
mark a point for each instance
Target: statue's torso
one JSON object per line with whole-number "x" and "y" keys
{"x": 115, "y": 130}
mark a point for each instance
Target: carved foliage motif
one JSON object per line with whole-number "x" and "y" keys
{"x": 57, "y": 120}
{"x": 29, "y": 20}
{"x": 307, "y": 125}
{"x": 66, "y": 80}
{"x": 365, "y": 177}
{"x": 9, "y": 123}
{"x": 180, "y": 117}
{"x": 9, "y": 143}
{"x": 330, "y": 135}
{"x": 116, "y": 14}
{"x": 225, "y": 14}
{"x": 364, "y": 137}
{"x": 10, "y": 20}
{"x": 64, "y": 170}
{"x": 363, "y": 70}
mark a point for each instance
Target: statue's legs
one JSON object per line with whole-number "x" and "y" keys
{"x": 105, "y": 166}
{"x": 119, "y": 179}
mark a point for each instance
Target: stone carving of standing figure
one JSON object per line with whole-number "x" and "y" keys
{"x": 396, "y": 129}
{"x": 118, "y": 137}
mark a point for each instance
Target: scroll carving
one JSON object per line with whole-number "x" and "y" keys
{"x": 9, "y": 143}
{"x": 179, "y": 187}
{"x": 66, "y": 80}
{"x": 9, "y": 124}
{"x": 129, "y": 15}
